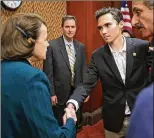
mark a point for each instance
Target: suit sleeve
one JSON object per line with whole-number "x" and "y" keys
{"x": 84, "y": 89}
{"x": 48, "y": 68}
{"x": 38, "y": 109}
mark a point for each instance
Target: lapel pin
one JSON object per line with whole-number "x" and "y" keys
{"x": 134, "y": 54}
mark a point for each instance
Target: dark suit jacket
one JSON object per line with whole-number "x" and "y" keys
{"x": 57, "y": 68}
{"x": 141, "y": 121}
{"x": 115, "y": 92}
{"x": 26, "y": 105}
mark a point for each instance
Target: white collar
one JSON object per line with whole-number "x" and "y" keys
{"x": 66, "y": 42}
{"x": 121, "y": 50}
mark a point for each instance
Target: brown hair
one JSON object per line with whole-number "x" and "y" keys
{"x": 68, "y": 17}
{"x": 19, "y": 34}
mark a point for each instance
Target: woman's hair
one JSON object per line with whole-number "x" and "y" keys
{"x": 18, "y": 36}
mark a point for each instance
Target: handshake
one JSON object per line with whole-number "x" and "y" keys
{"x": 69, "y": 113}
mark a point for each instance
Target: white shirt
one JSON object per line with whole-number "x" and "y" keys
{"x": 69, "y": 43}
{"x": 120, "y": 59}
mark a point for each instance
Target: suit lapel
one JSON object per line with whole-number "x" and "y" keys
{"x": 130, "y": 50}
{"x": 111, "y": 62}
{"x": 77, "y": 54}
{"x": 64, "y": 52}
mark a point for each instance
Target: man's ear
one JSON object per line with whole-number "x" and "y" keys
{"x": 121, "y": 24}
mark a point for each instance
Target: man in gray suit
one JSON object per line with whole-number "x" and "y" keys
{"x": 65, "y": 67}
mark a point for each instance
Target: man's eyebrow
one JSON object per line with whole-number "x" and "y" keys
{"x": 69, "y": 25}
{"x": 107, "y": 23}
{"x": 136, "y": 9}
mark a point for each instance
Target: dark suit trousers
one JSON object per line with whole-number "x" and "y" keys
{"x": 59, "y": 113}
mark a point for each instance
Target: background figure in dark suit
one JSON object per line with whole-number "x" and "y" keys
{"x": 141, "y": 121}
{"x": 25, "y": 92}
{"x": 121, "y": 67}
{"x": 65, "y": 67}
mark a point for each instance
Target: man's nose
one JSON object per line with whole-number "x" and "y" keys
{"x": 103, "y": 31}
{"x": 70, "y": 29}
{"x": 134, "y": 21}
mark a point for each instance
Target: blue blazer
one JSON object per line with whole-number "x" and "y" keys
{"x": 26, "y": 105}
{"x": 141, "y": 121}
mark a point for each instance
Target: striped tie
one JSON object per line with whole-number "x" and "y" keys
{"x": 71, "y": 60}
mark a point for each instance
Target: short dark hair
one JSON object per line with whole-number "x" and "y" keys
{"x": 17, "y": 35}
{"x": 68, "y": 17}
{"x": 149, "y": 4}
{"x": 116, "y": 13}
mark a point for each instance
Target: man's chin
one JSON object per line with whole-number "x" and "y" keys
{"x": 107, "y": 41}
{"x": 70, "y": 37}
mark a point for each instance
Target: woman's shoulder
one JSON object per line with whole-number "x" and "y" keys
{"x": 20, "y": 70}
{"x": 31, "y": 72}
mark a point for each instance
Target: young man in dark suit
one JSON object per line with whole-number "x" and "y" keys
{"x": 121, "y": 67}
{"x": 65, "y": 67}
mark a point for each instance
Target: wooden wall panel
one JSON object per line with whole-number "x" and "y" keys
{"x": 25, "y": 8}
{"x": 77, "y": 8}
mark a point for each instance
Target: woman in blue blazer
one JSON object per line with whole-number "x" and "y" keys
{"x": 26, "y": 105}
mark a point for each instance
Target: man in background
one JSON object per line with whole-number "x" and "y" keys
{"x": 141, "y": 122}
{"x": 65, "y": 67}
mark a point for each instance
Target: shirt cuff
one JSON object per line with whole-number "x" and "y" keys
{"x": 74, "y": 102}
